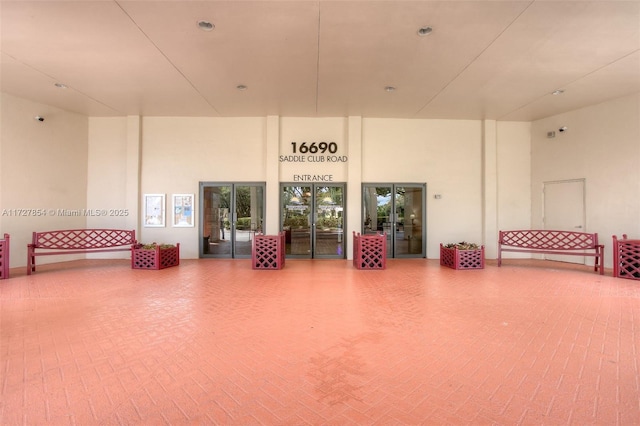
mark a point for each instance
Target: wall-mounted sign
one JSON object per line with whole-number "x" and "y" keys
{"x": 321, "y": 152}
{"x": 313, "y": 178}
{"x": 315, "y": 147}
{"x": 313, "y": 159}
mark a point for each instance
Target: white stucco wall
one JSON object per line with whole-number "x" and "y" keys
{"x": 514, "y": 178}
{"x": 444, "y": 154}
{"x": 44, "y": 173}
{"x": 602, "y": 146}
{"x": 178, "y": 153}
{"x": 487, "y": 180}
{"x": 107, "y": 178}
{"x": 309, "y": 131}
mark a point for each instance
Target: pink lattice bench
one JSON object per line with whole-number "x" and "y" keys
{"x": 74, "y": 241}
{"x": 552, "y": 242}
{"x": 4, "y": 257}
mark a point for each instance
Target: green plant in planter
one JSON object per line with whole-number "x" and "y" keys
{"x": 153, "y": 246}
{"x": 463, "y": 245}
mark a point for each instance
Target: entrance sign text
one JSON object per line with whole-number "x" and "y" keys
{"x": 313, "y": 178}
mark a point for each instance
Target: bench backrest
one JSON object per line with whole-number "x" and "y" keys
{"x": 550, "y": 240}
{"x": 83, "y": 239}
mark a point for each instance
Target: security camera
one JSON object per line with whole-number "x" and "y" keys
{"x": 563, "y": 129}
{"x": 39, "y": 118}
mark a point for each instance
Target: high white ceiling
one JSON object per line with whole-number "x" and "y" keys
{"x": 483, "y": 60}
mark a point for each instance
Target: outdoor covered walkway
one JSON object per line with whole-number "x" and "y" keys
{"x": 319, "y": 342}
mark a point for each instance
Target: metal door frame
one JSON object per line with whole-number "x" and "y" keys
{"x": 314, "y": 218}
{"x": 232, "y": 213}
{"x": 392, "y": 237}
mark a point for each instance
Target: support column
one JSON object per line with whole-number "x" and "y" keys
{"x": 490, "y": 188}
{"x": 354, "y": 182}
{"x": 132, "y": 183}
{"x": 272, "y": 196}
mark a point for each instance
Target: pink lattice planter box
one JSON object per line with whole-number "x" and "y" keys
{"x": 370, "y": 251}
{"x": 267, "y": 251}
{"x": 626, "y": 258}
{"x": 159, "y": 256}
{"x": 456, "y": 258}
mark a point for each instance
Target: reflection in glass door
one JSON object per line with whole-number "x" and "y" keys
{"x": 398, "y": 210}
{"x": 312, "y": 217}
{"x": 231, "y": 214}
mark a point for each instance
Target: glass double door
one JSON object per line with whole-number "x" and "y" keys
{"x": 398, "y": 210}
{"x": 231, "y": 214}
{"x": 312, "y": 217}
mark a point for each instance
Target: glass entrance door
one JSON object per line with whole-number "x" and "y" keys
{"x": 398, "y": 210}
{"x": 231, "y": 214}
{"x": 312, "y": 217}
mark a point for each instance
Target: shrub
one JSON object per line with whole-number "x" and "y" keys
{"x": 296, "y": 221}
{"x": 243, "y": 223}
{"x": 329, "y": 222}
{"x": 463, "y": 245}
{"x": 153, "y": 246}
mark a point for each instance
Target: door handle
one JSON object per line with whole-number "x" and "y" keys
{"x": 579, "y": 226}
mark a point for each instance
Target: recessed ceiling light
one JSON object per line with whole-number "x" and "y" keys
{"x": 423, "y": 31}
{"x": 557, "y": 92}
{"x": 205, "y": 25}
{"x": 241, "y": 87}
{"x": 389, "y": 89}
{"x": 60, "y": 85}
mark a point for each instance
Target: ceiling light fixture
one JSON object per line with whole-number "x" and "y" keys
{"x": 424, "y": 31}
{"x": 241, "y": 87}
{"x": 205, "y": 25}
{"x": 557, "y": 92}
{"x": 389, "y": 89}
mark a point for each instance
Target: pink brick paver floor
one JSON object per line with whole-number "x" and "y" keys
{"x": 319, "y": 343}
